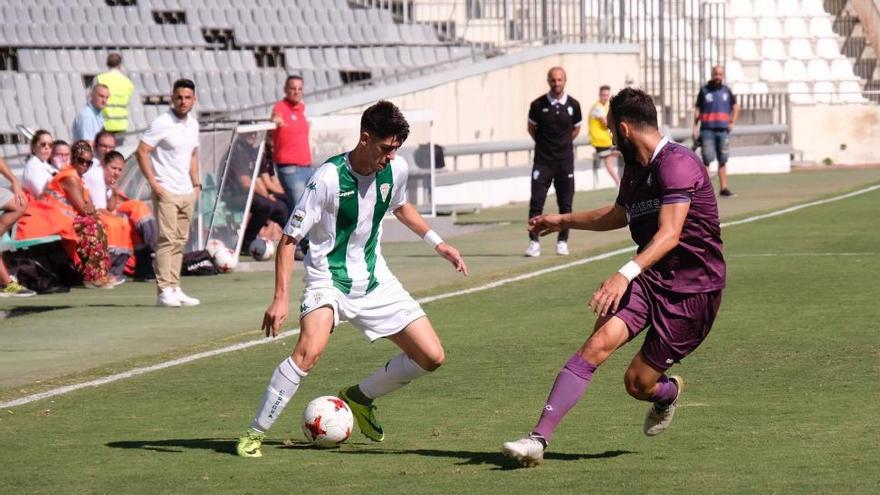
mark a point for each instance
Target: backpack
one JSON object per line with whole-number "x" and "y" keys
{"x": 198, "y": 263}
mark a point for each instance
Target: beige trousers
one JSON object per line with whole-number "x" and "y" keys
{"x": 173, "y": 214}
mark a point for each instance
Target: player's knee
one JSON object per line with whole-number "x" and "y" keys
{"x": 306, "y": 359}
{"x": 432, "y": 360}
{"x": 636, "y": 386}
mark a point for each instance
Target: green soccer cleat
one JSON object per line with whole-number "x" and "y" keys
{"x": 249, "y": 444}
{"x": 364, "y": 412}
{"x": 15, "y": 289}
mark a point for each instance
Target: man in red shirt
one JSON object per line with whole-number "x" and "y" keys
{"x": 290, "y": 142}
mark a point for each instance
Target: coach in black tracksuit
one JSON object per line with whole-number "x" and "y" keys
{"x": 554, "y": 121}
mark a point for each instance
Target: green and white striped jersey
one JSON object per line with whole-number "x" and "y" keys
{"x": 341, "y": 212}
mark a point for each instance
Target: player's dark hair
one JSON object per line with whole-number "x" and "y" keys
{"x": 635, "y": 107}
{"x": 113, "y": 155}
{"x": 37, "y": 135}
{"x": 604, "y": 87}
{"x": 59, "y": 142}
{"x": 79, "y": 151}
{"x": 185, "y": 84}
{"x": 292, "y": 77}
{"x": 384, "y": 120}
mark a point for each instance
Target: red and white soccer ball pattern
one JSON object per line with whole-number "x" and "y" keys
{"x": 327, "y": 421}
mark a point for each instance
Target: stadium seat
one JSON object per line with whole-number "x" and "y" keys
{"x": 769, "y": 27}
{"x": 818, "y": 70}
{"x": 772, "y": 49}
{"x": 746, "y": 50}
{"x": 800, "y": 48}
{"x": 851, "y": 92}
{"x": 813, "y": 8}
{"x": 764, "y": 8}
{"x": 796, "y": 27}
{"x": 744, "y": 27}
{"x": 824, "y": 92}
{"x": 799, "y": 92}
{"x": 821, "y": 27}
{"x": 771, "y": 71}
{"x": 795, "y": 70}
{"x": 842, "y": 70}
{"x": 759, "y": 88}
{"x": 828, "y": 49}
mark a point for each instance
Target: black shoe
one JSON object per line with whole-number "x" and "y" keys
{"x": 727, "y": 193}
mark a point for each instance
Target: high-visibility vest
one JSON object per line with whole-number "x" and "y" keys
{"x": 116, "y": 112}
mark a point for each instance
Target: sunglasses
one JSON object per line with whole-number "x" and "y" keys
{"x": 45, "y": 144}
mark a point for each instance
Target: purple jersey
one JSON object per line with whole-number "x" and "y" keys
{"x": 676, "y": 175}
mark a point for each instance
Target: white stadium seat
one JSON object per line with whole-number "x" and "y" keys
{"x": 842, "y": 70}
{"x": 746, "y": 50}
{"x": 821, "y": 27}
{"x": 800, "y": 48}
{"x": 828, "y": 49}
{"x": 817, "y": 70}
{"x": 771, "y": 71}
{"x": 795, "y": 70}
{"x": 740, "y": 88}
{"x": 824, "y": 92}
{"x": 773, "y": 49}
{"x": 770, "y": 27}
{"x": 744, "y": 27}
{"x": 813, "y": 8}
{"x": 764, "y": 8}
{"x": 739, "y": 8}
{"x": 759, "y": 88}
{"x": 851, "y": 92}
{"x": 735, "y": 71}
{"x": 799, "y": 92}
{"x": 787, "y": 8}
{"x": 796, "y": 27}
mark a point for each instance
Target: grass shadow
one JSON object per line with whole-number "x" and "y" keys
{"x": 500, "y": 462}
{"x": 177, "y": 446}
{"x": 17, "y": 311}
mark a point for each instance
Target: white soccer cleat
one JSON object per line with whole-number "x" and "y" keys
{"x": 528, "y": 451}
{"x": 534, "y": 249}
{"x": 168, "y": 299}
{"x": 184, "y": 299}
{"x": 562, "y": 248}
{"x": 657, "y": 420}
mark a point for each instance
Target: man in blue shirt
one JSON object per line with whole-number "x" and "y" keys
{"x": 89, "y": 121}
{"x": 715, "y": 113}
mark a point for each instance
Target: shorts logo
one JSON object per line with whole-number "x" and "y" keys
{"x": 535, "y": 175}
{"x": 384, "y": 189}
{"x": 548, "y": 408}
{"x": 669, "y": 361}
{"x": 312, "y": 186}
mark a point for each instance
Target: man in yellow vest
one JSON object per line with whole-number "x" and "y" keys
{"x": 600, "y": 136}
{"x": 121, "y": 89}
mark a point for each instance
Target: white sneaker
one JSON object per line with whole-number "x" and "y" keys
{"x": 168, "y": 299}
{"x": 184, "y": 299}
{"x": 534, "y": 249}
{"x": 528, "y": 451}
{"x": 562, "y": 248}
{"x": 656, "y": 421}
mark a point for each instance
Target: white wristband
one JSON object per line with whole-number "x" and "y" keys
{"x": 630, "y": 270}
{"x": 432, "y": 238}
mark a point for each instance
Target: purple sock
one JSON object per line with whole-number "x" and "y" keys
{"x": 666, "y": 392}
{"x": 570, "y": 385}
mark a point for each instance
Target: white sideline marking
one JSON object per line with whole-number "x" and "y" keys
{"x": 245, "y": 345}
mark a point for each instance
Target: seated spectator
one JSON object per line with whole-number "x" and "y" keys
{"x": 142, "y": 231}
{"x": 12, "y": 206}
{"x": 37, "y": 170}
{"x": 65, "y": 209}
{"x": 264, "y": 205}
{"x": 270, "y": 180}
{"x": 89, "y": 121}
{"x": 105, "y": 142}
{"x": 60, "y": 155}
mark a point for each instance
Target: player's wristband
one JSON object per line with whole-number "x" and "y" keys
{"x": 630, "y": 270}
{"x": 432, "y": 238}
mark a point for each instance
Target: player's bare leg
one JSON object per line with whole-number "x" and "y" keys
{"x": 643, "y": 382}
{"x": 571, "y": 383}
{"x": 611, "y": 167}
{"x": 314, "y": 335}
{"x": 422, "y": 353}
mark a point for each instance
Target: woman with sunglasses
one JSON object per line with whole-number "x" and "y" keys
{"x": 65, "y": 209}
{"x": 38, "y": 171}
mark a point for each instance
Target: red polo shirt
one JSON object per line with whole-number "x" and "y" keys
{"x": 290, "y": 141}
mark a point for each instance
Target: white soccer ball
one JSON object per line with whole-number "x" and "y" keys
{"x": 262, "y": 249}
{"x": 225, "y": 260}
{"x": 327, "y": 421}
{"x": 214, "y": 245}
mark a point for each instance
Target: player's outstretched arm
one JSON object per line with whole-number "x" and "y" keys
{"x": 601, "y": 219}
{"x": 409, "y": 216}
{"x": 607, "y": 297}
{"x": 280, "y": 307}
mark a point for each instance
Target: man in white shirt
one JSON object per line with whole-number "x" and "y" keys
{"x": 168, "y": 157}
{"x": 346, "y": 277}
{"x": 105, "y": 142}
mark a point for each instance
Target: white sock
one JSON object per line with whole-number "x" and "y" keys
{"x": 281, "y": 387}
{"x": 397, "y": 372}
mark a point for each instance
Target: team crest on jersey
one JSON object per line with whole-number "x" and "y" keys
{"x": 709, "y": 97}
{"x": 570, "y": 111}
{"x": 724, "y": 97}
{"x": 384, "y": 189}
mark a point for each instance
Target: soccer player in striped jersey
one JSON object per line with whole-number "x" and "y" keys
{"x": 346, "y": 278}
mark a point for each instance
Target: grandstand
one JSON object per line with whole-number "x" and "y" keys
{"x": 816, "y": 52}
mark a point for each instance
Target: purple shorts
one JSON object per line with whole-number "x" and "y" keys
{"x": 678, "y": 322}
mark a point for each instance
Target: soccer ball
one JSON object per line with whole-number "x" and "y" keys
{"x": 225, "y": 260}
{"x": 327, "y": 421}
{"x": 213, "y": 246}
{"x": 262, "y": 249}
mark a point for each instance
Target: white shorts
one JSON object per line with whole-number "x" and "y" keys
{"x": 381, "y": 313}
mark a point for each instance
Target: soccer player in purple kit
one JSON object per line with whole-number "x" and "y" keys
{"x": 672, "y": 287}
